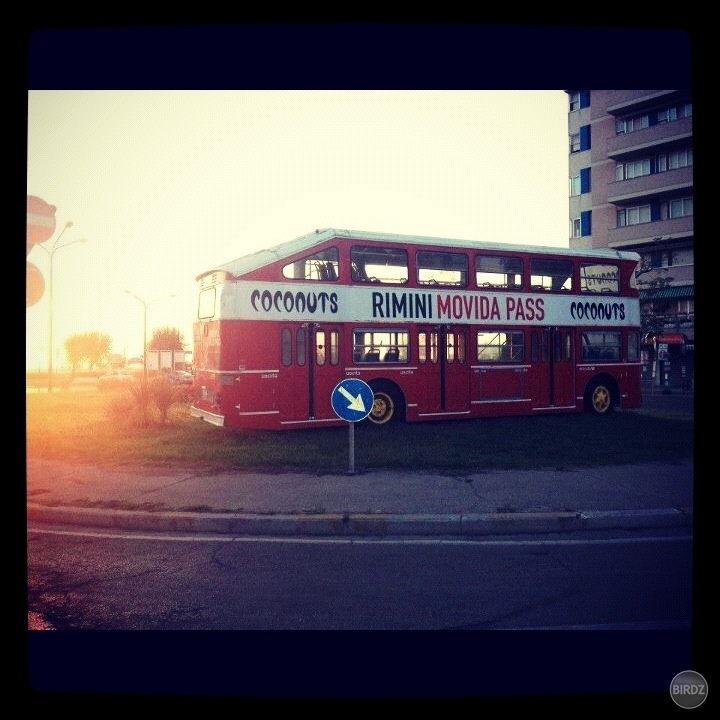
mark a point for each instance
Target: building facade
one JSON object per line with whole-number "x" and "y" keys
{"x": 631, "y": 188}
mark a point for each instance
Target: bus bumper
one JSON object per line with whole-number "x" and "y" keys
{"x": 212, "y": 418}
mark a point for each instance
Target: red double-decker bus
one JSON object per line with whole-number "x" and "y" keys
{"x": 439, "y": 329}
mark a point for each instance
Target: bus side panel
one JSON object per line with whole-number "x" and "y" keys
{"x": 250, "y": 377}
{"x": 292, "y": 401}
{"x": 631, "y": 383}
{"x": 206, "y": 385}
{"x": 502, "y": 383}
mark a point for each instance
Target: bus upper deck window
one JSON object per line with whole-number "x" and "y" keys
{"x": 550, "y": 274}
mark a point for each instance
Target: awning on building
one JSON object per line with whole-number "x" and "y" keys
{"x": 670, "y": 338}
{"x": 678, "y": 292}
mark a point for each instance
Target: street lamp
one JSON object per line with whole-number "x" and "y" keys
{"x": 144, "y": 304}
{"x": 51, "y": 254}
{"x": 145, "y": 307}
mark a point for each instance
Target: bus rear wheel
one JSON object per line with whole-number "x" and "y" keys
{"x": 599, "y": 398}
{"x": 385, "y": 407}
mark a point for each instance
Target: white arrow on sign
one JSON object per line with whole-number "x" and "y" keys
{"x": 356, "y": 403}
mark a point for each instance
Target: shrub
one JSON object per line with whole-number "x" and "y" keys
{"x": 164, "y": 395}
{"x": 122, "y": 407}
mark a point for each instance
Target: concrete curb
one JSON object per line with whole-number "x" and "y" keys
{"x": 360, "y": 524}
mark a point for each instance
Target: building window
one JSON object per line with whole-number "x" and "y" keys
{"x": 575, "y": 185}
{"x": 683, "y": 256}
{"x": 578, "y": 99}
{"x": 580, "y": 184}
{"x": 580, "y": 141}
{"x": 681, "y": 208}
{"x": 675, "y": 112}
{"x": 575, "y": 228}
{"x": 664, "y": 115}
{"x": 667, "y": 115}
{"x": 657, "y": 164}
{"x": 653, "y": 259}
{"x": 633, "y": 215}
{"x": 686, "y": 307}
{"x": 674, "y": 160}
{"x": 629, "y": 170}
{"x": 633, "y": 124}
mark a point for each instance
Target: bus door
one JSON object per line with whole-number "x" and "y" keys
{"x": 443, "y": 369}
{"x": 552, "y": 374}
{"x": 310, "y": 359}
{"x": 324, "y": 368}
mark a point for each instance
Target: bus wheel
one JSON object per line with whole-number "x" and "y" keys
{"x": 384, "y": 409}
{"x": 599, "y": 399}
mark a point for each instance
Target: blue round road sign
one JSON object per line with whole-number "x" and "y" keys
{"x": 352, "y": 399}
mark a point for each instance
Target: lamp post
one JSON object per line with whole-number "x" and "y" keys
{"x": 51, "y": 254}
{"x": 145, "y": 304}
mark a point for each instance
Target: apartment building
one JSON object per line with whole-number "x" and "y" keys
{"x": 631, "y": 188}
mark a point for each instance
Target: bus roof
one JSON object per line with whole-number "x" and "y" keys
{"x": 261, "y": 258}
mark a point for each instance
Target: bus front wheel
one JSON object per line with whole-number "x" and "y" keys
{"x": 599, "y": 398}
{"x": 385, "y": 408}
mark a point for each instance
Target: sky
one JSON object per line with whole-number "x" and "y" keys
{"x": 165, "y": 184}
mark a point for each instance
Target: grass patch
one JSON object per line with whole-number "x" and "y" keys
{"x": 86, "y": 427}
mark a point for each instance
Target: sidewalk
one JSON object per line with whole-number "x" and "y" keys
{"x": 377, "y": 503}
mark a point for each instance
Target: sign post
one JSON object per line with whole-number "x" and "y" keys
{"x": 352, "y": 400}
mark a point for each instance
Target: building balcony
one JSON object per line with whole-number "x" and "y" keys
{"x": 647, "y": 232}
{"x": 623, "y": 102}
{"x": 651, "y": 187}
{"x": 626, "y": 145}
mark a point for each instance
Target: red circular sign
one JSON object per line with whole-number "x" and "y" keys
{"x": 40, "y": 220}
{"x": 35, "y": 286}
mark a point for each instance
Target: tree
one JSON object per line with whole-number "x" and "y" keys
{"x": 651, "y": 319}
{"x": 166, "y": 338}
{"x": 92, "y": 349}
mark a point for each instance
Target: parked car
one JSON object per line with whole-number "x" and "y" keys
{"x": 115, "y": 379}
{"x": 180, "y": 377}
